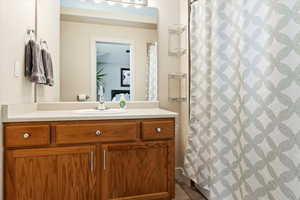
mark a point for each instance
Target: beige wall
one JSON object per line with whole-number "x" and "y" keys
{"x": 173, "y": 12}
{"x": 16, "y": 17}
{"x": 169, "y": 14}
{"x": 76, "y": 56}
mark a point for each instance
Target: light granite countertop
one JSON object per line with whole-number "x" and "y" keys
{"x": 72, "y": 115}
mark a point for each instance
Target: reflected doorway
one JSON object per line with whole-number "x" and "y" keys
{"x": 113, "y": 71}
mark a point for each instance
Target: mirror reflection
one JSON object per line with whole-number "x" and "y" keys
{"x": 108, "y": 51}
{"x": 113, "y": 71}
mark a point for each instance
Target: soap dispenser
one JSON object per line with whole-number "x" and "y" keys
{"x": 123, "y": 103}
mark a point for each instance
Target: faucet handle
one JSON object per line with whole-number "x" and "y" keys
{"x": 101, "y": 105}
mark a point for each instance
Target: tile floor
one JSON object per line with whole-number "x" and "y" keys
{"x": 180, "y": 194}
{"x": 184, "y": 190}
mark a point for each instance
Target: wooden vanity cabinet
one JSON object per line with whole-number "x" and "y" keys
{"x": 137, "y": 171}
{"x": 90, "y": 160}
{"x": 51, "y": 173}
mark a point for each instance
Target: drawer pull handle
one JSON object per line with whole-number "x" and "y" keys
{"x": 104, "y": 159}
{"x": 92, "y": 161}
{"x": 26, "y": 135}
{"x": 158, "y": 130}
{"x": 98, "y": 132}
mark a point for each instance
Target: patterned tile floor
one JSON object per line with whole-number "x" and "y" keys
{"x": 184, "y": 191}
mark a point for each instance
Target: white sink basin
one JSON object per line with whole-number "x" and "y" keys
{"x": 99, "y": 112}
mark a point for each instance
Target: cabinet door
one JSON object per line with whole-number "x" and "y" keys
{"x": 138, "y": 171}
{"x": 50, "y": 173}
{"x": 76, "y": 175}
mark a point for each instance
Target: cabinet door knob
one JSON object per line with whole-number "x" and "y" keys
{"x": 98, "y": 132}
{"x": 26, "y": 135}
{"x": 158, "y": 130}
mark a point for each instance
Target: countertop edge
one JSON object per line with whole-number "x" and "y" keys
{"x": 56, "y": 119}
{"x": 47, "y": 118}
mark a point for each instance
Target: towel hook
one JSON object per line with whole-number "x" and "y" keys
{"x": 30, "y": 31}
{"x": 43, "y": 44}
{"x": 30, "y": 35}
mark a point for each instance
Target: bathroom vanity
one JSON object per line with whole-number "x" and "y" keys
{"x": 90, "y": 157}
{"x": 64, "y": 149}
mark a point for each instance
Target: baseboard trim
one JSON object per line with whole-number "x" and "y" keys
{"x": 179, "y": 169}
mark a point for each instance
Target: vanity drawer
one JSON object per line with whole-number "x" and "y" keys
{"x": 96, "y": 132}
{"x": 161, "y": 129}
{"x": 21, "y": 136}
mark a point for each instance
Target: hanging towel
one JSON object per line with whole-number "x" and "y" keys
{"x": 34, "y": 68}
{"x": 28, "y": 58}
{"x": 48, "y": 66}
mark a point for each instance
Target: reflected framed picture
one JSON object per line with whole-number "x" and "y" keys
{"x": 125, "y": 77}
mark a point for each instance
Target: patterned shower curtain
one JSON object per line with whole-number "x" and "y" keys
{"x": 244, "y": 140}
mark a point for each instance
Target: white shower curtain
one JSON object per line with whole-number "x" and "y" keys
{"x": 244, "y": 141}
{"x": 152, "y": 72}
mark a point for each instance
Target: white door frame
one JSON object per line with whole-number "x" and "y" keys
{"x": 93, "y": 64}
